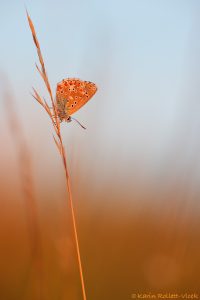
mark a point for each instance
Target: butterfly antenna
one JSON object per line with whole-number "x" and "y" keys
{"x": 78, "y": 123}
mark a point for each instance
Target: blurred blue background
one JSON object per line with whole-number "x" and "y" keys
{"x": 143, "y": 55}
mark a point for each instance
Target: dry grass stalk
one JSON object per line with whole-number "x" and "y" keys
{"x": 26, "y": 177}
{"x": 58, "y": 140}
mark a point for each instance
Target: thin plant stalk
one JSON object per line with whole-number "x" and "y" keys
{"x": 53, "y": 114}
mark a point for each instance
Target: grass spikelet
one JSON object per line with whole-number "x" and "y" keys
{"x": 58, "y": 141}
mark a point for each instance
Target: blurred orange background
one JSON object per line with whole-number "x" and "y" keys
{"x": 135, "y": 170}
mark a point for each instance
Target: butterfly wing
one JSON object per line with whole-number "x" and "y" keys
{"x": 72, "y": 94}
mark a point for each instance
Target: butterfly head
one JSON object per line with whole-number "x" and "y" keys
{"x": 68, "y": 119}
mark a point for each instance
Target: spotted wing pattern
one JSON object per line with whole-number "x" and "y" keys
{"x": 72, "y": 94}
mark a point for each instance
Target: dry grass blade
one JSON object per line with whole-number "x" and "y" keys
{"x": 58, "y": 141}
{"x": 57, "y": 144}
{"x": 40, "y": 72}
{"x": 37, "y": 97}
{"x": 40, "y": 101}
{"x": 43, "y": 72}
{"x": 45, "y": 105}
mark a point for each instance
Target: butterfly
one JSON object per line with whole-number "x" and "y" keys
{"x": 71, "y": 95}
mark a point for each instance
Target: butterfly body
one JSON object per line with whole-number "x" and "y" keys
{"x": 71, "y": 95}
